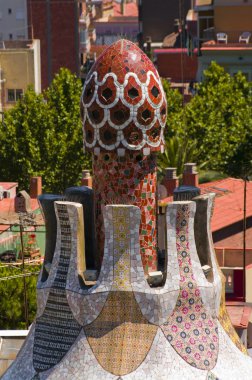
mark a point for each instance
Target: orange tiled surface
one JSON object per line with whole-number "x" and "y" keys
{"x": 229, "y": 201}
{"x": 239, "y": 314}
{"x": 228, "y": 207}
{"x": 8, "y": 185}
{"x": 130, "y": 9}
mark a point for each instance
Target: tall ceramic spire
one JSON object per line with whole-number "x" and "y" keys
{"x": 119, "y": 327}
{"x": 124, "y": 115}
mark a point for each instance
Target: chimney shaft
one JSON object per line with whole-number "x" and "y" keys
{"x": 190, "y": 175}
{"x": 35, "y": 186}
{"x": 170, "y": 180}
{"x": 86, "y": 178}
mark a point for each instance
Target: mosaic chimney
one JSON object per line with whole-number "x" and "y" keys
{"x": 120, "y": 324}
{"x": 124, "y": 115}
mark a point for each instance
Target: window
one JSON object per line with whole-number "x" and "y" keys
{"x": 19, "y": 94}
{"x": 13, "y": 95}
{"x": 9, "y": 11}
{"x": 206, "y": 28}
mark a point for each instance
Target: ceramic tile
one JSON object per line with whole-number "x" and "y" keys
{"x": 123, "y": 91}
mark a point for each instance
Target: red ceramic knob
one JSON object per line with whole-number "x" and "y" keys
{"x": 123, "y": 102}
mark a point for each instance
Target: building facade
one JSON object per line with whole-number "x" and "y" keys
{"x": 13, "y": 20}
{"x": 224, "y": 35}
{"x": 55, "y": 24}
{"x": 20, "y": 67}
{"x": 158, "y": 21}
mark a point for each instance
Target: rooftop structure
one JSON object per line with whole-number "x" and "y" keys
{"x": 227, "y": 226}
{"x": 228, "y": 210}
{"x": 10, "y": 219}
{"x": 124, "y": 118}
{"x": 123, "y": 22}
{"x": 124, "y": 325}
{"x": 56, "y": 25}
{"x": 164, "y": 14}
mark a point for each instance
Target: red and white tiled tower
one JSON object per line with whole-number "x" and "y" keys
{"x": 124, "y": 115}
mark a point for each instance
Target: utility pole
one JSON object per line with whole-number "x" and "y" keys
{"x": 25, "y": 219}
{"x": 244, "y": 236}
{"x": 24, "y": 279}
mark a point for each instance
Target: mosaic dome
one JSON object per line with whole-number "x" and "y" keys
{"x": 123, "y": 103}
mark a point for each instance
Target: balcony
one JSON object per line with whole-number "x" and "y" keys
{"x": 84, "y": 21}
{"x": 227, "y": 39}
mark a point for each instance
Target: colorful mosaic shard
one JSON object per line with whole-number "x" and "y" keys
{"x": 120, "y": 321}
{"x": 56, "y": 329}
{"x": 226, "y": 321}
{"x": 123, "y": 102}
{"x": 124, "y": 110}
{"x": 118, "y": 341}
{"x": 128, "y": 180}
{"x": 190, "y": 329}
{"x": 205, "y": 208}
{"x": 205, "y": 250}
{"x": 119, "y": 327}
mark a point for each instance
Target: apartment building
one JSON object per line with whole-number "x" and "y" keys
{"x": 13, "y": 20}
{"x": 19, "y": 67}
{"x": 225, "y": 35}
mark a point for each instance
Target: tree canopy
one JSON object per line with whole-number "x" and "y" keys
{"x": 12, "y": 312}
{"x": 216, "y": 123}
{"x": 42, "y": 135}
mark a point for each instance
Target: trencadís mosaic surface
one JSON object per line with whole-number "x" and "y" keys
{"x": 107, "y": 331}
{"x": 124, "y": 115}
{"x": 119, "y": 327}
{"x": 123, "y": 102}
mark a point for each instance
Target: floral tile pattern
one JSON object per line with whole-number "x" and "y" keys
{"x": 120, "y": 342}
{"x": 121, "y": 328}
{"x": 190, "y": 329}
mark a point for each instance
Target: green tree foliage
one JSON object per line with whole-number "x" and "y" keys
{"x": 216, "y": 124}
{"x": 12, "y": 314}
{"x": 177, "y": 153}
{"x": 175, "y": 116}
{"x": 43, "y": 136}
{"x": 178, "y": 148}
{"x": 219, "y": 116}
